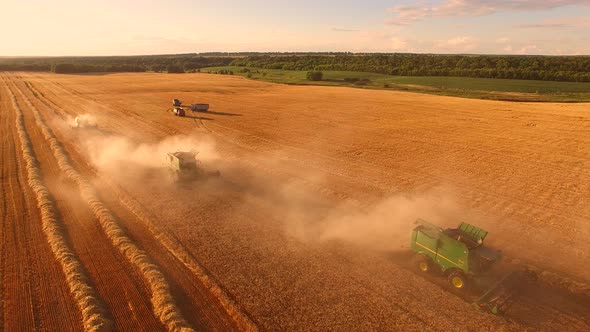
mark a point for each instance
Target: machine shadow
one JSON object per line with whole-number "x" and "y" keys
{"x": 195, "y": 117}
{"x": 223, "y": 113}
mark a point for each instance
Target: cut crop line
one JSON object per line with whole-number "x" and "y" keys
{"x": 244, "y": 321}
{"x": 163, "y": 303}
{"x": 91, "y": 308}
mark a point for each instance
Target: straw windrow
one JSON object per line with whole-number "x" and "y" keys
{"x": 92, "y": 310}
{"x": 164, "y": 306}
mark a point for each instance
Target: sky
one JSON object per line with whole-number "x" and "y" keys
{"x": 128, "y": 27}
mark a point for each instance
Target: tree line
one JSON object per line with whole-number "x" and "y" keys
{"x": 548, "y": 68}
{"x": 156, "y": 63}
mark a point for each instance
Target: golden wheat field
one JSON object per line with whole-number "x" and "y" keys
{"x": 308, "y": 225}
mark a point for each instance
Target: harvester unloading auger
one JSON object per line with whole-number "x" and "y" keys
{"x": 460, "y": 255}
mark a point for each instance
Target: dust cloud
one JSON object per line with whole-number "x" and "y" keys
{"x": 384, "y": 225}
{"x": 304, "y": 212}
{"x": 114, "y": 154}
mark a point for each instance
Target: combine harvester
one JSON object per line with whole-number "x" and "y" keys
{"x": 184, "y": 167}
{"x": 84, "y": 121}
{"x": 460, "y": 255}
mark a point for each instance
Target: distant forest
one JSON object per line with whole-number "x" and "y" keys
{"x": 548, "y": 68}
{"x": 156, "y": 63}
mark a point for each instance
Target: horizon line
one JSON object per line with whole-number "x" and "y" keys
{"x": 287, "y": 53}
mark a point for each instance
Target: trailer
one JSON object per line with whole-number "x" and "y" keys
{"x": 199, "y": 107}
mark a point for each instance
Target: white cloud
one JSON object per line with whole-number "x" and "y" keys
{"x": 345, "y": 30}
{"x": 458, "y": 44}
{"x": 398, "y": 43}
{"x": 408, "y": 14}
{"x": 460, "y": 41}
{"x": 528, "y": 49}
{"x": 563, "y": 22}
{"x": 503, "y": 40}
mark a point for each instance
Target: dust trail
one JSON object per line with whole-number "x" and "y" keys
{"x": 377, "y": 223}
{"x": 385, "y": 225}
{"x": 162, "y": 300}
{"x": 111, "y": 153}
{"x": 91, "y": 308}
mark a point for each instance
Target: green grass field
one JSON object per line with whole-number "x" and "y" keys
{"x": 483, "y": 88}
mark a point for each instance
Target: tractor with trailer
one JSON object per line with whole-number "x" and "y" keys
{"x": 185, "y": 167}
{"x": 193, "y": 107}
{"x": 459, "y": 254}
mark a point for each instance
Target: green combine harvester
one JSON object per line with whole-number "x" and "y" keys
{"x": 460, "y": 255}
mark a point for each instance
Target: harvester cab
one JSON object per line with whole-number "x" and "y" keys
{"x": 460, "y": 254}
{"x": 176, "y": 102}
{"x": 184, "y": 166}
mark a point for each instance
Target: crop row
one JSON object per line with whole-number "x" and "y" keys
{"x": 90, "y": 306}
{"x": 162, "y": 300}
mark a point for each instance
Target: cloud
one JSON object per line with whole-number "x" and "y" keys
{"x": 503, "y": 40}
{"x": 408, "y": 14}
{"x": 545, "y": 25}
{"x": 398, "y": 43}
{"x": 528, "y": 49}
{"x": 457, "y": 45}
{"x": 564, "y": 22}
{"x": 459, "y": 41}
{"x": 149, "y": 38}
{"x": 345, "y": 30}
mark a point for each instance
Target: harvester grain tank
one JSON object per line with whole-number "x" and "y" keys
{"x": 459, "y": 254}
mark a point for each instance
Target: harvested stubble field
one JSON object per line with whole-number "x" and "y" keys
{"x": 318, "y": 191}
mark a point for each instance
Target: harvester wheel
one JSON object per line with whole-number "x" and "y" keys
{"x": 458, "y": 280}
{"x": 423, "y": 264}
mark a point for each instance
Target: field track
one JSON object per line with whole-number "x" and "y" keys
{"x": 228, "y": 251}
